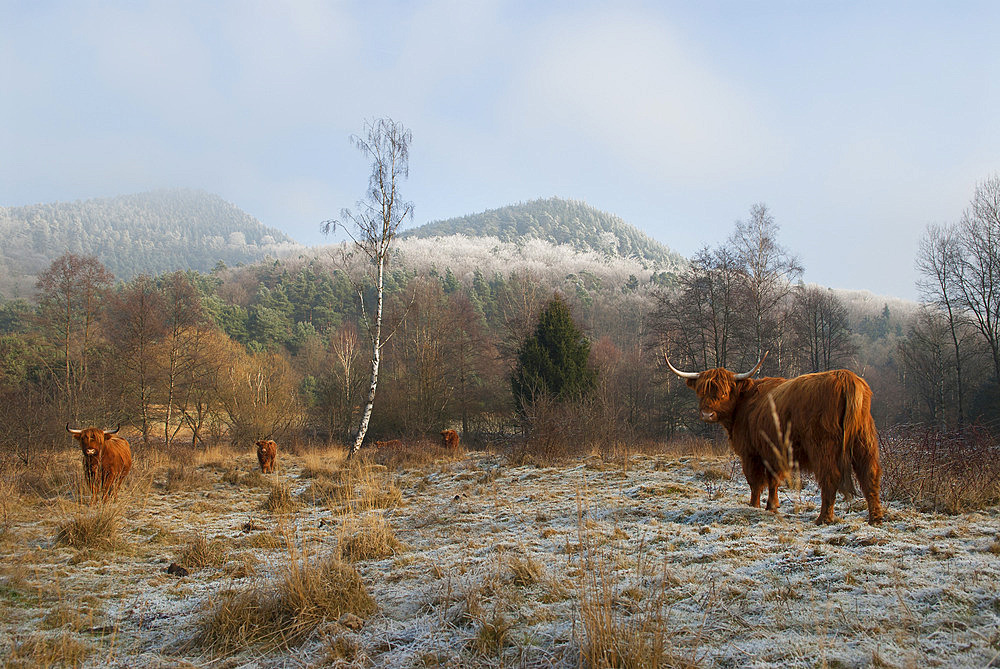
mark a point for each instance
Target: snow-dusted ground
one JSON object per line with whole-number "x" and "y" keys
{"x": 500, "y": 565}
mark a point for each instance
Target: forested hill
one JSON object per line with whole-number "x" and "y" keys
{"x": 150, "y": 233}
{"x": 558, "y": 221}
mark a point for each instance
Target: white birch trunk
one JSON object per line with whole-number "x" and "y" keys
{"x": 376, "y": 337}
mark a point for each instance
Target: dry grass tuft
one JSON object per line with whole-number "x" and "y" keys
{"x": 322, "y": 463}
{"x": 367, "y": 537}
{"x": 217, "y": 458}
{"x": 626, "y": 624}
{"x": 286, "y": 611}
{"x": 360, "y": 487}
{"x": 255, "y": 479}
{"x": 204, "y": 552}
{"x": 51, "y": 480}
{"x": 43, "y": 650}
{"x": 526, "y": 571}
{"x": 280, "y": 500}
{"x": 94, "y": 527}
{"x": 182, "y": 477}
{"x": 492, "y": 633}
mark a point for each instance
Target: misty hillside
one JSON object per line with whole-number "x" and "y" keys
{"x": 150, "y": 233}
{"x": 561, "y": 222}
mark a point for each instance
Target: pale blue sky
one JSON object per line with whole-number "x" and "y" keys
{"x": 857, "y": 123}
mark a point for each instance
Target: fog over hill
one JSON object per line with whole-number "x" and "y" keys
{"x": 149, "y": 233}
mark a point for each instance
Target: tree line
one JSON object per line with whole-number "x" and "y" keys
{"x": 278, "y": 349}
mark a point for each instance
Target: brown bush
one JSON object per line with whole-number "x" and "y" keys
{"x": 557, "y": 431}
{"x": 953, "y": 472}
{"x": 415, "y": 454}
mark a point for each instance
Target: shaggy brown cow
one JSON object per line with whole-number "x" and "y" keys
{"x": 391, "y": 443}
{"x": 449, "y": 438}
{"x": 106, "y": 459}
{"x": 825, "y": 418}
{"x": 267, "y": 452}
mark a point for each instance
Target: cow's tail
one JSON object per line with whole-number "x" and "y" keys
{"x": 852, "y": 423}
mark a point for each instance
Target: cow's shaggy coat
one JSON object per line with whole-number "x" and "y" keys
{"x": 823, "y": 419}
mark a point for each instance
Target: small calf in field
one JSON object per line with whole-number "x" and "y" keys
{"x": 391, "y": 443}
{"x": 449, "y": 439}
{"x": 267, "y": 452}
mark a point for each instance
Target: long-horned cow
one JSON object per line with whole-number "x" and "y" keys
{"x": 107, "y": 458}
{"x": 267, "y": 453}
{"x": 824, "y": 418}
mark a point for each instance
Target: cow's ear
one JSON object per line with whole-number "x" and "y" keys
{"x": 691, "y": 383}
{"x": 744, "y": 385}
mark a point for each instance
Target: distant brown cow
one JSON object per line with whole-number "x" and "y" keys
{"x": 449, "y": 438}
{"x": 391, "y": 443}
{"x": 267, "y": 452}
{"x": 828, "y": 420}
{"x": 106, "y": 459}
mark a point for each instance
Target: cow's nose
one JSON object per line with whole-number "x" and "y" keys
{"x": 708, "y": 416}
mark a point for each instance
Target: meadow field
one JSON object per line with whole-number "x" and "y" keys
{"x": 421, "y": 557}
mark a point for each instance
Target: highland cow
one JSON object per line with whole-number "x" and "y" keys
{"x": 107, "y": 458}
{"x": 820, "y": 422}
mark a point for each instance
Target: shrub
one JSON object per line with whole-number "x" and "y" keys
{"x": 953, "y": 472}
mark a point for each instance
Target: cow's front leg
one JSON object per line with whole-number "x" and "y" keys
{"x": 756, "y": 477}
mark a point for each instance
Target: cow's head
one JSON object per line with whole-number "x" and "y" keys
{"x": 718, "y": 389}
{"x": 91, "y": 439}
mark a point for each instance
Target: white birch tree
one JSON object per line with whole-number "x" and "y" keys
{"x": 373, "y": 227}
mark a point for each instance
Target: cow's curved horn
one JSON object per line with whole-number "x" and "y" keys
{"x": 71, "y": 431}
{"x": 747, "y": 375}
{"x": 114, "y": 431}
{"x": 683, "y": 375}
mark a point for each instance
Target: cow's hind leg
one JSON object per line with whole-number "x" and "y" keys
{"x": 828, "y": 495}
{"x": 773, "y": 502}
{"x": 869, "y": 475}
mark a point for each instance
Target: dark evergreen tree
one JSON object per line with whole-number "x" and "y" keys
{"x": 555, "y": 360}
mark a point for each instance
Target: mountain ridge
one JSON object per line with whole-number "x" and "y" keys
{"x": 142, "y": 233}
{"x": 561, "y": 222}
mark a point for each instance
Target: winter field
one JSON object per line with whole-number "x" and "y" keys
{"x": 419, "y": 557}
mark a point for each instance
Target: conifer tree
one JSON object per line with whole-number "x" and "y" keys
{"x": 554, "y": 361}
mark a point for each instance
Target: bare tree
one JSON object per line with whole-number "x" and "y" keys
{"x": 702, "y": 314}
{"x": 137, "y": 327}
{"x": 979, "y": 238}
{"x": 939, "y": 260}
{"x": 71, "y": 290}
{"x": 923, "y": 354}
{"x": 182, "y": 316}
{"x": 769, "y": 273}
{"x": 376, "y": 222}
{"x": 819, "y": 321}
